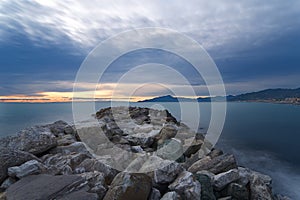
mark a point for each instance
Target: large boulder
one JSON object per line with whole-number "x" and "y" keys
{"x": 35, "y": 140}
{"x": 186, "y": 186}
{"x": 44, "y": 186}
{"x": 161, "y": 171}
{"x": 215, "y": 165}
{"x": 260, "y": 184}
{"x": 28, "y": 168}
{"x": 129, "y": 186}
{"x": 205, "y": 178}
{"x": 10, "y": 158}
{"x": 223, "y": 179}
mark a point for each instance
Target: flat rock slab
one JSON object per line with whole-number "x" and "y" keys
{"x": 42, "y": 187}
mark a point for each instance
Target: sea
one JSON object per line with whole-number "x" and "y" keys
{"x": 263, "y": 136}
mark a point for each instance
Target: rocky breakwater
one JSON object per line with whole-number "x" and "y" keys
{"x": 143, "y": 154}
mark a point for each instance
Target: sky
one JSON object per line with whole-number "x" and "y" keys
{"x": 255, "y": 45}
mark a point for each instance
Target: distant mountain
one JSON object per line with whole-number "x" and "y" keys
{"x": 270, "y": 95}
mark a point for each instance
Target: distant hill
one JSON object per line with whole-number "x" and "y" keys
{"x": 269, "y": 95}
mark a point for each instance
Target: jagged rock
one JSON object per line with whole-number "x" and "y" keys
{"x": 223, "y": 179}
{"x": 215, "y": 153}
{"x": 8, "y": 182}
{"x": 205, "y": 178}
{"x": 238, "y": 191}
{"x": 167, "y": 132}
{"x": 76, "y": 147}
{"x": 10, "y": 158}
{"x": 57, "y": 127}
{"x": 65, "y": 140}
{"x": 186, "y": 186}
{"x": 260, "y": 184}
{"x": 96, "y": 183}
{"x": 191, "y": 146}
{"x": 137, "y": 149}
{"x": 28, "y": 168}
{"x": 35, "y": 140}
{"x": 155, "y": 194}
{"x": 91, "y": 165}
{"x": 215, "y": 165}
{"x": 161, "y": 171}
{"x": 170, "y": 150}
{"x": 129, "y": 186}
{"x": 44, "y": 186}
{"x": 59, "y": 164}
{"x": 170, "y": 196}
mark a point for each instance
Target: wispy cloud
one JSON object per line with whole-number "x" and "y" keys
{"x": 86, "y": 23}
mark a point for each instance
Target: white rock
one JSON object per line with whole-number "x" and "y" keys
{"x": 223, "y": 179}
{"x": 186, "y": 186}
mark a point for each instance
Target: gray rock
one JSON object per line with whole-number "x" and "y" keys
{"x": 76, "y": 147}
{"x": 35, "y": 140}
{"x": 161, "y": 171}
{"x": 155, "y": 194}
{"x": 59, "y": 164}
{"x": 206, "y": 178}
{"x": 238, "y": 191}
{"x": 28, "y": 168}
{"x": 65, "y": 140}
{"x": 191, "y": 146}
{"x": 129, "y": 186}
{"x": 79, "y": 195}
{"x": 44, "y": 186}
{"x": 10, "y": 158}
{"x": 260, "y": 184}
{"x": 171, "y": 149}
{"x": 223, "y": 179}
{"x": 170, "y": 196}
{"x": 281, "y": 197}
{"x": 8, "y": 182}
{"x": 91, "y": 165}
{"x": 186, "y": 186}
{"x": 96, "y": 182}
{"x": 215, "y": 165}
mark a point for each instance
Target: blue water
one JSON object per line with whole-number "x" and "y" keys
{"x": 263, "y": 136}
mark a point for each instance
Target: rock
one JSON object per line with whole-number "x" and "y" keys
{"x": 137, "y": 149}
{"x": 167, "y": 132}
{"x": 205, "y": 178}
{"x": 260, "y": 184}
{"x": 191, "y": 146}
{"x": 76, "y": 147}
{"x": 35, "y": 140}
{"x": 96, "y": 182}
{"x": 226, "y": 198}
{"x": 161, "y": 171}
{"x": 129, "y": 186}
{"x": 186, "y": 187}
{"x": 79, "y": 195}
{"x": 223, "y": 179}
{"x": 215, "y": 165}
{"x": 57, "y": 127}
{"x": 155, "y": 194}
{"x": 28, "y": 168}
{"x": 59, "y": 164}
{"x": 44, "y": 186}
{"x": 170, "y": 150}
{"x": 10, "y": 158}
{"x": 91, "y": 165}
{"x": 8, "y": 182}
{"x": 215, "y": 153}
{"x": 65, "y": 140}
{"x": 238, "y": 191}
{"x": 171, "y": 196}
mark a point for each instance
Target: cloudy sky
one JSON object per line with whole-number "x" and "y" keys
{"x": 255, "y": 44}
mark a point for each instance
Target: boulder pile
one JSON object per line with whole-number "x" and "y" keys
{"x": 130, "y": 153}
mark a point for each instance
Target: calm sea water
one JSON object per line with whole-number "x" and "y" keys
{"x": 263, "y": 136}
